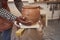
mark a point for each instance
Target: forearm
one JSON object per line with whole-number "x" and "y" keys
{"x": 4, "y": 27}
{"x": 18, "y": 4}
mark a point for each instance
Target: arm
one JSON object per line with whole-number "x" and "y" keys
{"x": 18, "y": 4}
{"x": 6, "y": 14}
{"x": 6, "y": 22}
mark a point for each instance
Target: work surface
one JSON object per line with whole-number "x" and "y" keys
{"x": 52, "y": 32}
{"x": 28, "y": 34}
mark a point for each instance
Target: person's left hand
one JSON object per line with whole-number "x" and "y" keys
{"x": 23, "y": 20}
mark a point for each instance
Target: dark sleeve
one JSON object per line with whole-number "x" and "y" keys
{"x": 18, "y": 4}
{"x": 6, "y": 14}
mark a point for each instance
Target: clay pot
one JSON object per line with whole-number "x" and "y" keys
{"x": 30, "y": 14}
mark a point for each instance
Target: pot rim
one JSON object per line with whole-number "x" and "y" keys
{"x": 32, "y": 7}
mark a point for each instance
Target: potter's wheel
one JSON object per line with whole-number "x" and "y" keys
{"x": 24, "y": 26}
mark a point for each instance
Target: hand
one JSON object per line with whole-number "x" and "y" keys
{"x": 20, "y": 19}
{"x": 23, "y": 21}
